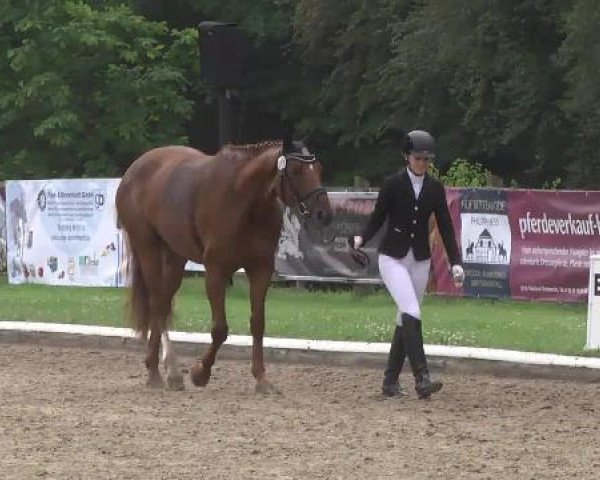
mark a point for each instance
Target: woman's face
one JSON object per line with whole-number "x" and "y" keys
{"x": 419, "y": 163}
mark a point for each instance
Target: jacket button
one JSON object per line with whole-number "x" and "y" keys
{"x": 412, "y": 235}
{"x": 416, "y": 208}
{"x": 414, "y": 222}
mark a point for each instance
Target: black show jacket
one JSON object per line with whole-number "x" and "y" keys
{"x": 408, "y": 218}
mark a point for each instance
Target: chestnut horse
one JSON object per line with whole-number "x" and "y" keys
{"x": 177, "y": 204}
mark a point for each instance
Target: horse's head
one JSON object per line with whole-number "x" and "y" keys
{"x": 301, "y": 186}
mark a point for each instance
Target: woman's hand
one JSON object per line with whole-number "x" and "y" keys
{"x": 458, "y": 275}
{"x": 356, "y": 242}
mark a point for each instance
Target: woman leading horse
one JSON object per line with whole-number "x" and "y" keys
{"x": 178, "y": 204}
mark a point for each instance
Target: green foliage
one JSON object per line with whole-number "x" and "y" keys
{"x": 480, "y": 75}
{"x": 483, "y": 68}
{"x": 348, "y": 43}
{"x": 465, "y": 174}
{"x": 85, "y": 90}
{"x": 580, "y": 56}
{"x": 85, "y": 86}
{"x": 552, "y": 184}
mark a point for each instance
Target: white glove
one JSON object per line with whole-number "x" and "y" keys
{"x": 358, "y": 241}
{"x": 458, "y": 275}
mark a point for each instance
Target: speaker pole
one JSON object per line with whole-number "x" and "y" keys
{"x": 222, "y": 51}
{"x": 228, "y": 116}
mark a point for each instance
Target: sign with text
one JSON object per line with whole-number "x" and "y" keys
{"x": 63, "y": 232}
{"x": 522, "y": 244}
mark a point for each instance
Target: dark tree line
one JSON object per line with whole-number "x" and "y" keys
{"x": 85, "y": 86}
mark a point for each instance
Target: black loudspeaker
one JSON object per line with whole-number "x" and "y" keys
{"x": 222, "y": 52}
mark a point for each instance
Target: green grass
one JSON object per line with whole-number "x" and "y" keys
{"x": 341, "y": 315}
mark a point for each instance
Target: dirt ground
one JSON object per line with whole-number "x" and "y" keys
{"x": 70, "y": 413}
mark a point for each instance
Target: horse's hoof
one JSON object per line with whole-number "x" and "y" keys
{"x": 175, "y": 382}
{"x": 267, "y": 388}
{"x": 155, "y": 381}
{"x": 199, "y": 375}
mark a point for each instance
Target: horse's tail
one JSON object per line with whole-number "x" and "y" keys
{"x": 138, "y": 293}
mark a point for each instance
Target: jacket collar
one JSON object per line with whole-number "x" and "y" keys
{"x": 405, "y": 177}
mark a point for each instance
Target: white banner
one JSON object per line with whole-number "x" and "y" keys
{"x": 2, "y": 234}
{"x": 63, "y": 232}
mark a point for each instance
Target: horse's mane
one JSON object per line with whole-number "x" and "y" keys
{"x": 249, "y": 169}
{"x": 254, "y": 148}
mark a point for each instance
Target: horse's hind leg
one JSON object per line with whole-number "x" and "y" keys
{"x": 150, "y": 259}
{"x": 216, "y": 284}
{"x": 173, "y": 268}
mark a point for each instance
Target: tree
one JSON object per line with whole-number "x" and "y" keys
{"x": 580, "y": 56}
{"x": 84, "y": 90}
{"x": 484, "y": 71}
{"x": 480, "y": 75}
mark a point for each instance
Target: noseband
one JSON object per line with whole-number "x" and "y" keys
{"x": 300, "y": 200}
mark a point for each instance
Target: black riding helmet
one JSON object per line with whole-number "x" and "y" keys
{"x": 420, "y": 142}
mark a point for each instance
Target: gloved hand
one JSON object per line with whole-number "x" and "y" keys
{"x": 355, "y": 242}
{"x": 458, "y": 275}
{"x": 359, "y": 256}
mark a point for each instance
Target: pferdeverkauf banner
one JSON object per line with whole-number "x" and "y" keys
{"x": 554, "y": 233}
{"x": 63, "y": 232}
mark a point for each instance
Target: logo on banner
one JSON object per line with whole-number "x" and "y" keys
{"x": 486, "y": 242}
{"x": 289, "y": 244}
{"x": 99, "y": 200}
{"x": 485, "y": 239}
{"x": 41, "y": 200}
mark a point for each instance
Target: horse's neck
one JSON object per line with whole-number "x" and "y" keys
{"x": 258, "y": 181}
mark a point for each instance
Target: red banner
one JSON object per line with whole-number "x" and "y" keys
{"x": 523, "y": 244}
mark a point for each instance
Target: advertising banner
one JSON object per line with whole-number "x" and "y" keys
{"x": 554, "y": 235}
{"x": 522, "y": 244}
{"x": 63, "y": 232}
{"x": 307, "y": 253}
{"x": 2, "y": 230}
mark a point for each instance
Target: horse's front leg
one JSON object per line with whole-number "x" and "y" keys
{"x": 216, "y": 283}
{"x": 259, "y": 284}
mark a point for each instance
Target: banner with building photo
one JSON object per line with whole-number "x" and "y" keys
{"x": 63, "y": 232}
{"x": 485, "y": 239}
{"x": 307, "y": 253}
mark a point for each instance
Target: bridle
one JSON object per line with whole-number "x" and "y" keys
{"x": 300, "y": 200}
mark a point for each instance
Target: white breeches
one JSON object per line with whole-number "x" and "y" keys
{"x": 406, "y": 280}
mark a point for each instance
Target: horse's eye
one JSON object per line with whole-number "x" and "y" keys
{"x": 296, "y": 167}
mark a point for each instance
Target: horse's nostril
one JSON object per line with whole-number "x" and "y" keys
{"x": 320, "y": 215}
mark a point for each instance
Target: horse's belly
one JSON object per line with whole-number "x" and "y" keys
{"x": 180, "y": 237}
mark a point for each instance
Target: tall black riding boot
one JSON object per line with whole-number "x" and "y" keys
{"x": 413, "y": 335}
{"x": 391, "y": 386}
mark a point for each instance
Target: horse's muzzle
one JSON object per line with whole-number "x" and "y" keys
{"x": 322, "y": 213}
{"x": 324, "y": 216}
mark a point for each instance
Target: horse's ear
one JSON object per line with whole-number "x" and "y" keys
{"x": 306, "y": 142}
{"x": 287, "y": 142}
{"x": 288, "y": 138}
